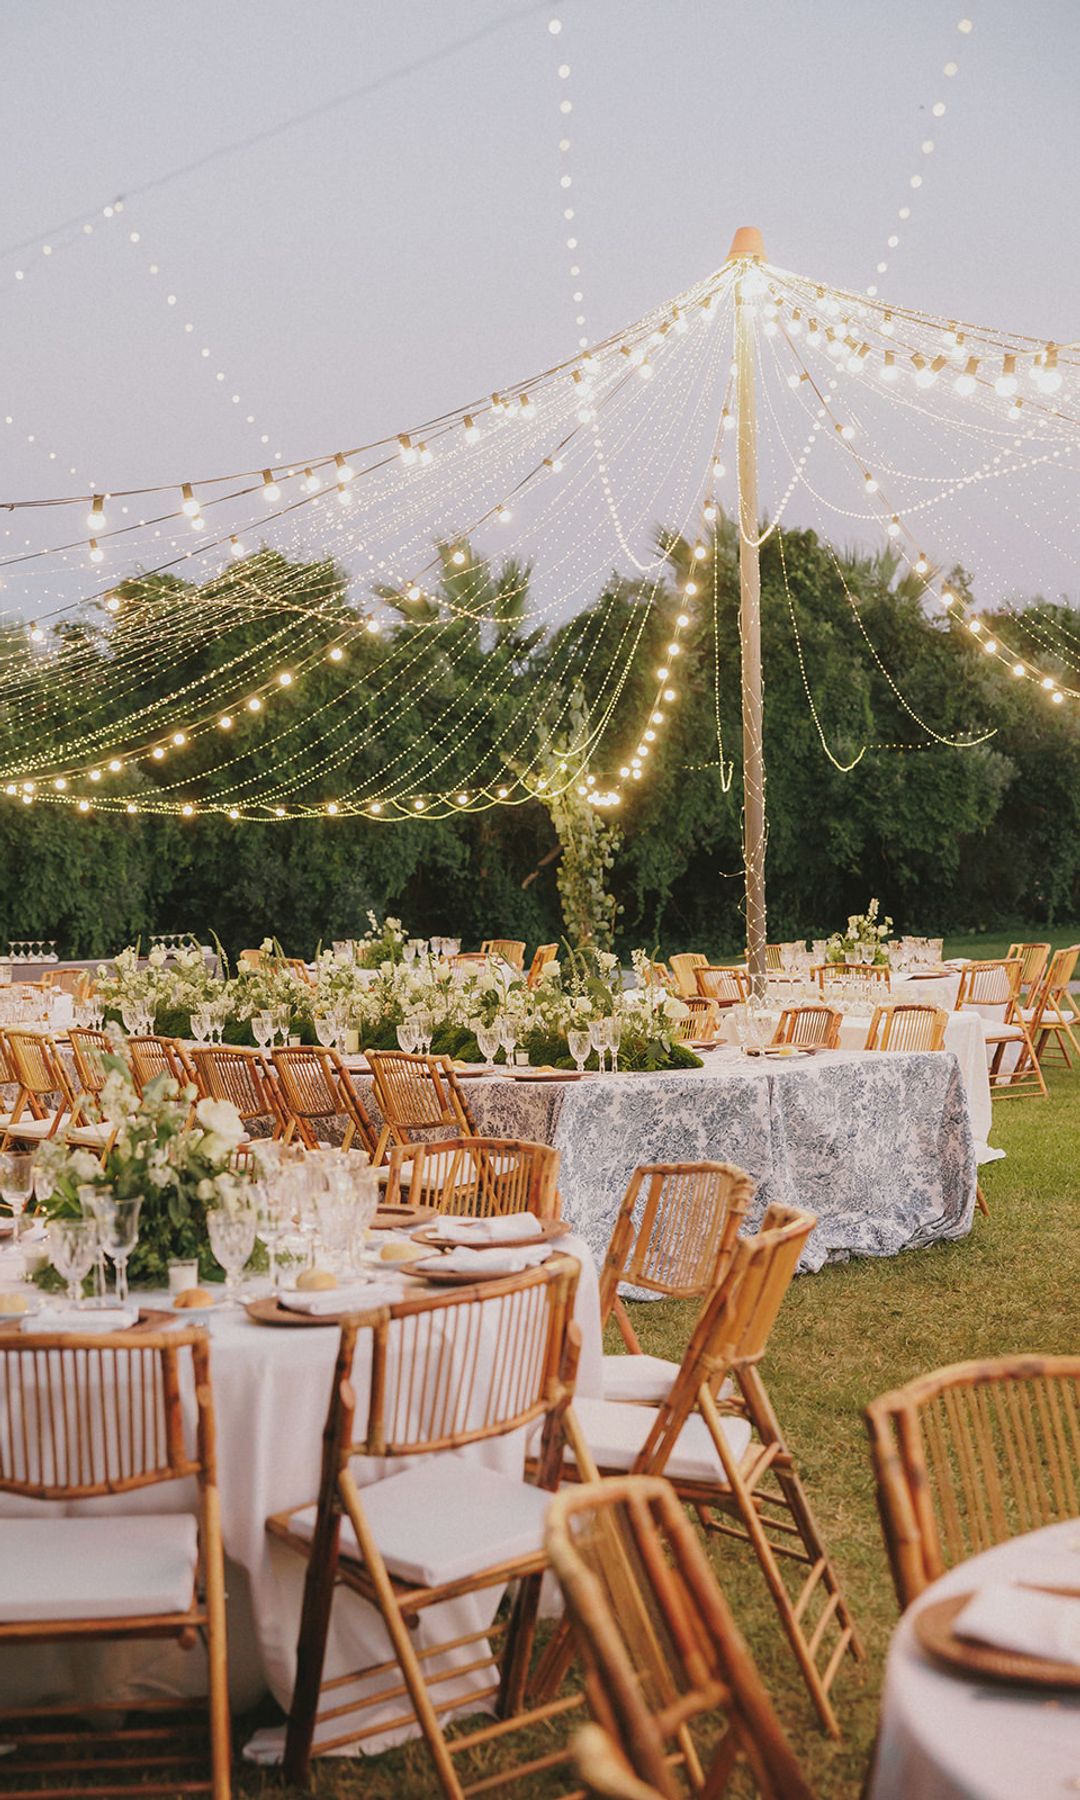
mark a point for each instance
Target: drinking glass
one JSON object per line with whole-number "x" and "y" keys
{"x": 487, "y": 1039}
{"x": 17, "y": 1183}
{"x": 72, "y": 1247}
{"x": 283, "y": 1021}
{"x": 425, "y": 1026}
{"x": 408, "y": 952}
{"x": 232, "y": 1239}
{"x": 407, "y": 1036}
{"x": 131, "y": 1013}
{"x": 325, "y": 1029}
{"x": 200, "y": 1025}
{"x": 118, "y": 1232}
{"x": 508, "y": 1037}
{"x": 451, "y": 946}
{"x": 334, "y": 1209}
{"x": 578, "y": 1044}
{"x": 612, "y": 1039}
{"x": 598, "y": 1040}
{"x": 274, "y": 1204}
{"x": 262, "y": 1029}
{"x": 339, "y": 1020}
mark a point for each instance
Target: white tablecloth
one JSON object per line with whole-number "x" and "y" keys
{"x": 271, "y": 1391}
{"x": 947, "y": 1737}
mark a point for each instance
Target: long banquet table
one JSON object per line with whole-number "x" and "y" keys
{"x": 878, "y": 1145}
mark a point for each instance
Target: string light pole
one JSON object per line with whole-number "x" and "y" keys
{"x": 748, "y": 251}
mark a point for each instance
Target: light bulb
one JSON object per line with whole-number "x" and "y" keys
{"x": 1048, "y": 683}
{"x": 84, "y": 805}
{"x": 1057, "y": 698}
{"x": 112, "y": 604}
{"x": 254, "y": 705}
{"x": 270, "y": 489}
{"x": 893, "y": 527}
{"x": 645, "y": 370}
{"x": 472, "y": 431}
{"x": 528, "y": 410}
{"x": 921, "y": 564}
{"x": 331, "y": 807}
{"x": 502, "y": 793}
{"x": 96, "y": 553}
{"x": 504, "y": 515}
{"x": 726, "y": 421}
{"x": 157, "y": 753}
{"x": 37, "y": 636}
{"x": 965, "y": 383}
{"x": 233, "y": 813}
{"x": 225, "y": 722}
{"x": 95, "y": 518}
{"x": 189, "y": 506}
{"x": 115, "y": 765}
{"x": 458, "y": 558}
{"x": 870, "y": 484}
{"x": 405, "y": 448}
{"x": 1018, "y": 669}
{"x": 662, "y": 674}
{"x": 990, "y": 646}
{"x": 418, "y": 806}
{"x": 236, "y": 549}
{"x": 285, "y": 679}
{"x": 372, "y": 627}
{"x": 1006, "y": 383}
{"x": 463, "y": 799}
{"x": 311, "y": 482}
{"x": 670, "y": 695}
{"x": 709, "y": 513}
{"x": 336, "y": 653}
{"x": 423, "y": 454}
{"x": 60, "y": 784}
{"x": 187, "y": 810}
{"x": 376, "y": 806}
{"x": 179, "y": 738}
{"x": 345, "y": 471}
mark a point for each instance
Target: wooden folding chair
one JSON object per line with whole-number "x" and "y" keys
{"x": 659, "y": 1645}
{"x": 47, "y": 1105}
{"x": 1052, "y": 1013}
{"x": 476, "y": 1177}
{"x": 416, "y": 1094}
{"x": 907, "y": 1025}
{"x": 229, "y": 1072}
{"x": 511, "y": 950}
{"x": 89, "y": 1416}
{"x": 724, "y": 986}
{"x": 89, "y": 1048}
{"x": 992, "y": 989}
{"x": 702, "y": 1021}
{"x": 153, "y": 1056}
{"x": 674, "y": 1237}
{"x": 816, "y": 1027}
{"x": 542, "y": 956}
{"x": 774, "y": 958}
{"x": 316, "y": 1089}
{"x": 969, "y": 1456}
{"x": 419, "y": 1379}
{"x": 684, "y": 966}
{"x": 825, "y": 973}
{"x": 1033, "y": 960}
{"x": 603, "y": 1771}
{"x": 726, "y": 1455}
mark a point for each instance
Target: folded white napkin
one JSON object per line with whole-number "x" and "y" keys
{"x": 478, "y": 1231}
{"x": 492, "y": 1262}
{"x": 357, "y": 1297}
{"x": 1015, "y": 1618}
{"x": 100, "y": 1318}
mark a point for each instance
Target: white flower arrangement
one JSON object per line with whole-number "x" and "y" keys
{"x": 863, "y": 940}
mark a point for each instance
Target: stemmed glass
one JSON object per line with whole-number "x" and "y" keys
{"x": 507, "y": 1036}
{"x": 487, "y": 1041}
{"x": 612, "y": 1039}
{"x": 578, "y": 1043}
{"x": 16, "y": 1185}
{"x": 232, "y": 1239}
{"x": 339, "y": 1019}
{"x": 118, "y": 1232}
{"x": 274, "y": 1204}
{"x": 408, "y": 1036}
{"x": 325, "y": 1029}
{"x": 262, "y": 1029}
{"x": 72, "y": 1247}
{"x": 598, "y": 1040}
{"x": 425, "y": 1026}
{"x": 283, "y": 1021}
{"x": 200, "y": 1025}
{"x": 131, "y": 1013}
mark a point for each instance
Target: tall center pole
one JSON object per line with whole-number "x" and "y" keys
{"x": 748, "y": 248}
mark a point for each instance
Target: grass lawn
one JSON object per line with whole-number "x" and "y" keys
{"x": 844, "y": 1335}
{"x": 996, "y": 943}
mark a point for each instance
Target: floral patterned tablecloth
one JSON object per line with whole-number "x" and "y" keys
{"x": 878, "y": 1146}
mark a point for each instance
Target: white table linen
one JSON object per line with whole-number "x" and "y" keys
{"x": 947, "y": 1736}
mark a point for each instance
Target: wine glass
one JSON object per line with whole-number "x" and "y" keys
{"x": 232, "y": 1239}
{"x": 578, "y": 1043}
{"x": 283, "y": 1019}
{"x": 72, "y": 1247}
{"x": 408, "y": 953}
{"x": 425, "y": 1026}
{"x": 598, "y": 1040}
{"x": 613, "y": 1038}
{"x": 200, "y": 1025}
{"x": 507, "y": 1036}
{"x": 325, "y": 1029}
{"x": 407, "y": 1036}
{"x": 339, "y": 1020}
{"x": 118, "y": 1232}
{"x": 274, "y": 1204}
{"x": 487, "y": 1040}
{"x": 131, "y": 1013}
{"x": 17, "y": 1184}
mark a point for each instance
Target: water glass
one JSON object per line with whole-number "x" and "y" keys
{"x": 73, "y": 1245}
{"x": 283, "y": 1021}
{"x": 508, "y": 1036}
{"x": 118, "y": 1232}
{"x": 326, "y": 1029}
{"x": 612, "y": 1039}
{"x": 262, "y": 1029}
{"x": 18, "y": 1180}
{"x": 578, "y": 1044}
{"x": 487, "y": 1039}
{"x": 200, "y": 1025}
{"x": 407, "y": 1036}
{"x": 274, "y": 1205}
{"x": 232, "y": 1239}
{"x": 598, "y": 1040}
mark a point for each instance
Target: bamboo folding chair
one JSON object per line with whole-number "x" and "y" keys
{"x": 603, "y": 1770}
{"x": 684, "y": 966}
{"x": 82, "y": 1417}
{"x": 512, "y": 951}
{"x": 702, "y": 1021}
{"x": 542, "y": 956}
{"x": 152, "y": 1056}
{"x": 674, "y": 1236}
{"x": 416, "y": 1094}
{"x": 47, "y": 1105}
{"x": 814, "y": 1027}
{"x": 724, "y": 986}
{"x": 1033, "y": 960}
{"x": 992, "y": 988}
{"x": 89, "y": 1048}
{"x": 1052, "y": 1012}
{"x": 659, "y": 1645}
{"x": 725, "y": 1453}
{"x": 477, "y": 1177}
{"x": 420, "y": 1379}
{"x": 316, "y": 1089}
{"x": 971, "y": 1455}
{"x": 228, "y": 1072}
{"x": 774, "y": 958}
{"x": 824, "y": 973}
{"x": 907, "y": 1025}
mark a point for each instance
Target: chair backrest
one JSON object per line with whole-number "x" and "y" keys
{"x": 676, "y": 1230}
{"x": 542, "y": 956}
{"x": 479, "y": 1178}
{"x": 88, "y": 1050}
{"x": 684, "y": 967}
{"x": 702, "y": 1020}
{"x": 728, "y": 986}
{"x": 1057, "y": 976}
{"x": 250, "y": 959}
{"x": 990, "y": 987}
{"x": 907, "y": 1025}
{"x": 823, "y": 973}
{"x": 228, "y": 1072}
{"x": 512, "y": 950}
{"x": 456, "y": 1368}
{"x": 813, "y": 1026}
{"x": 659, "y": 1644}
{"x": 8, "y": 1074}
{"x": 418, "y": 1093}
{"x": 152, "y": 1056}
{"x": 774, "y": 956}
{"x": 89, "y": 1414}
{"x": 314, "y": 1086}
{"x": 970, "y": 1455}
{"x": 1033, "y": 959}
{"x": 38, "y": 1066}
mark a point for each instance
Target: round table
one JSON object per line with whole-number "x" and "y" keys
{"x": 948, "y": 1737}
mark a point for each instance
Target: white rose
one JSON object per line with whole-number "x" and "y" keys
{"x": 221, "y": 1119}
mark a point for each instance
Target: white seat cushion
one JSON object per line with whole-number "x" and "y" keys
{"x": 1050, "y": 1017}
{"x": 28, "y": 1127}
{"x": 633, "y": 1377}
{"x": 1002, "y": 1031}
{"x": 446, "y": 1519}
{"x": 616, "y": 1432}
{"x": 112, "y": 1567}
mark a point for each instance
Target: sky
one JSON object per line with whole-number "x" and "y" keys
{"x": 395, "y": 254}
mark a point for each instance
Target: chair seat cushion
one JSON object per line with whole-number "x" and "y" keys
{"x": 632, "y": 1377}
{"x": 616, "y": 1432}
{"x": 996, "y": 1034}
{"x": 446, "y": 1519}
{"x": 111, "y": 1567}
{"x": 28, "y": 1127}
{"x": 1050, "y": 1017}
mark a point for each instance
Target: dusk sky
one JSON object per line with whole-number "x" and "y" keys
{"x": 402, "y": 251}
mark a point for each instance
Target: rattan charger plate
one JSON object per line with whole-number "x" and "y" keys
{"x": 934, "y": 1630}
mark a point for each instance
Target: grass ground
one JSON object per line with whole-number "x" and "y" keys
{"x": 996, "y": 943}
{"x": 844, "y": 1335}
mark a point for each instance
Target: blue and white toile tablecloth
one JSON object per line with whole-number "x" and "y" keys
{"x": 878, "y": 1146}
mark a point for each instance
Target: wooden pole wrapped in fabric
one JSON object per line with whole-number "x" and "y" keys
{"x": 747, "y": 247}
